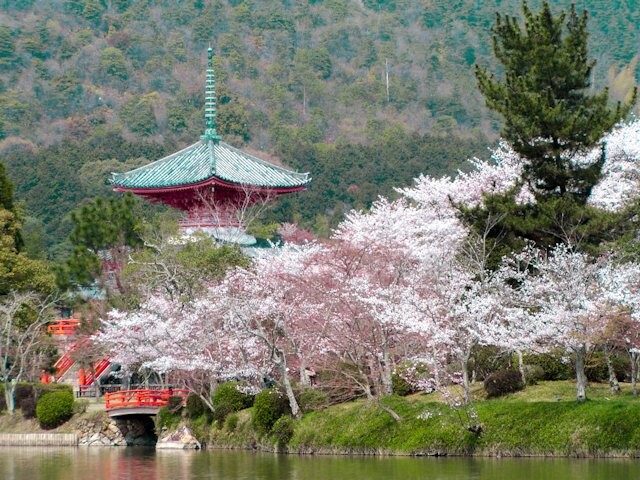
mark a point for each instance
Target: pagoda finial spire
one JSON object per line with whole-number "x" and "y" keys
{"x": 210, "y": 132}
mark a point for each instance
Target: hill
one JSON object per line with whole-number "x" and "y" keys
{"x": 364, "y": 94}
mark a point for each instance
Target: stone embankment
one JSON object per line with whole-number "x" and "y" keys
{"x": 39, "y": 439}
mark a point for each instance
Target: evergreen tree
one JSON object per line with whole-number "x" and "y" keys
{"x": 99, "y": 227}
{"x": 550, "y": 117}
{"x": 551, "y": 121}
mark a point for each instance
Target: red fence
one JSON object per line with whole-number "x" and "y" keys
{"x": 66, "y": 326}
{"x": 141, "y": 398}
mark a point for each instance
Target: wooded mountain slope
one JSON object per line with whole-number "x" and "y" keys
{"x": 90, "y": 86}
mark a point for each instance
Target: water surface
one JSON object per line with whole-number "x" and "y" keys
{"x": 50, "y": 463}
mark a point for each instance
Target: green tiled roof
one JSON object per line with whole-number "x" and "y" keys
{"x": 209, "y": 159}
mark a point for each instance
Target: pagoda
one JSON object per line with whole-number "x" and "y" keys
{"x": 211, "y": 181}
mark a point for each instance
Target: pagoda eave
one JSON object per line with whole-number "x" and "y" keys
{"x": 212, "y": 181}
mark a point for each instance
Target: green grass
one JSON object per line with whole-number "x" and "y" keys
{"x": 542, "y": 420}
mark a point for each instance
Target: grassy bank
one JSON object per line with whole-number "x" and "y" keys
{"x": 543, "y": 420}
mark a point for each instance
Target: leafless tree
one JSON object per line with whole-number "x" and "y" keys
{"x": 22, "y": 320}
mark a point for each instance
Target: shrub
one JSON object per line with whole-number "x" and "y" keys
{"x": 503, "y": 382}
{"x": 54, "y": 408}
{"x": 174, "y": 403}
{"x": 486, "y": 360}
{"x": 533, "y": 374}
{"x": 231, "y": 422}
{"x": 195, "y": 406}
{"x": 400, "y": 386}
{"x": 28, "y": 407}
{"x": 228, "y": 399}
{"x": 554, "y": 366}
{"x": 268, "y": 406}
{"x": 282, "y": 430}
{"x": 80, "y": 406}
{"x": 166, "y": 419}
{"x": 596, "y": 367}
{"x": 311, "y": 400}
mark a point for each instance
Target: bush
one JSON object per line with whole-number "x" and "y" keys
{"x": 486, "y": 360}
{"x": 54, "y": 408}
{"x": 228, "y": 399}
{"x": 533, "y": 374}
{"x": 166, "y": 419}
{"x": 174, "y": 403}
{"x": 596, "y": 367}
{"x": 400, "y": 386}
{"x": 311, "y": 400}
{"x": 503, "y": 382}
{"x": 268, "y": 406}
{"x": 553, "y": 364}
{"x": 28, "y": 407}
{"x": 282, "y": 430}
{"x": 195, "y": 406}
{"x": 231, "y": 422}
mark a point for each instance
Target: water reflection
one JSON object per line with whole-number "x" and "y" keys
{"x": 148, "y": 464}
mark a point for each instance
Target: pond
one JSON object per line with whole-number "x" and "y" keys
{"x": 34, "y": 463}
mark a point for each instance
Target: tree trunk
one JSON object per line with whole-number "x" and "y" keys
{"x": 634, "y": 373}
{"x": 521, "y": 368}
{"x": 613, "y": 380}
{"x": 581, "y": 377}
{"x": 293, "y": 403}
{"x": 304, "y": 378}
{"x": 389, "y": 410}
{"x": 9, "y": 398}
{"x": 387, "y": 383}
{"x": 465, "y": 379}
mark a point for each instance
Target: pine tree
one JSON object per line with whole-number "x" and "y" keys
{"x": 550, "y": 116}
{"x": 551, "y": 120}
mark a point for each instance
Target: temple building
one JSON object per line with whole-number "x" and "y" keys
{"x": 211, "y": 181}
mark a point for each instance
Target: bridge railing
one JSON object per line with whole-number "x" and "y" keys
{"x": 64, "y": 362}
{"x": 65, "y": 326}
{"x": 141, "y": 398}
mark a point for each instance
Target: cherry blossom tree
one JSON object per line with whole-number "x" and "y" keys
{"x": 189, "y": 340}
{"x": 269, "y": 304}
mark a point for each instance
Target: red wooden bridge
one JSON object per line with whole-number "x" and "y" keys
{"x": 139, "y": 402}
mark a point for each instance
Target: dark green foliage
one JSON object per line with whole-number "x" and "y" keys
{"x": 554, "y": 365}
{"x": 175, "y": 404}
{"x": 228, "y": 399}
{"x": 113, "y": 63}
{"x": 54, "y": 408}
{"x": 549, "y": 114}
{"x": 166, "y": 418}
{"x": 486, "y": 360}
{"x": 502, "y": 382}
{"x": 6, "y": 190}
{"x": 268, "y": 406}
{"x": 195, "y": 406}
{"x": 137, "y": 114}
{"x": 311, "y": 400}
{"x": 7, "y": 47}
{"x": 231, "y": 422}
{"x": 550, "y": 118}
{"x": 98, "y": 226}
{"x": 533, "y": 374}
{"x": 400, "y": 386}
{"x": 596, "y": 367}
{"x": 282, "y": 430}
{"x": 28, "y": 407}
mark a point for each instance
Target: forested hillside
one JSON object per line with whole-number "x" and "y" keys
{"x": 364, "y": 94}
